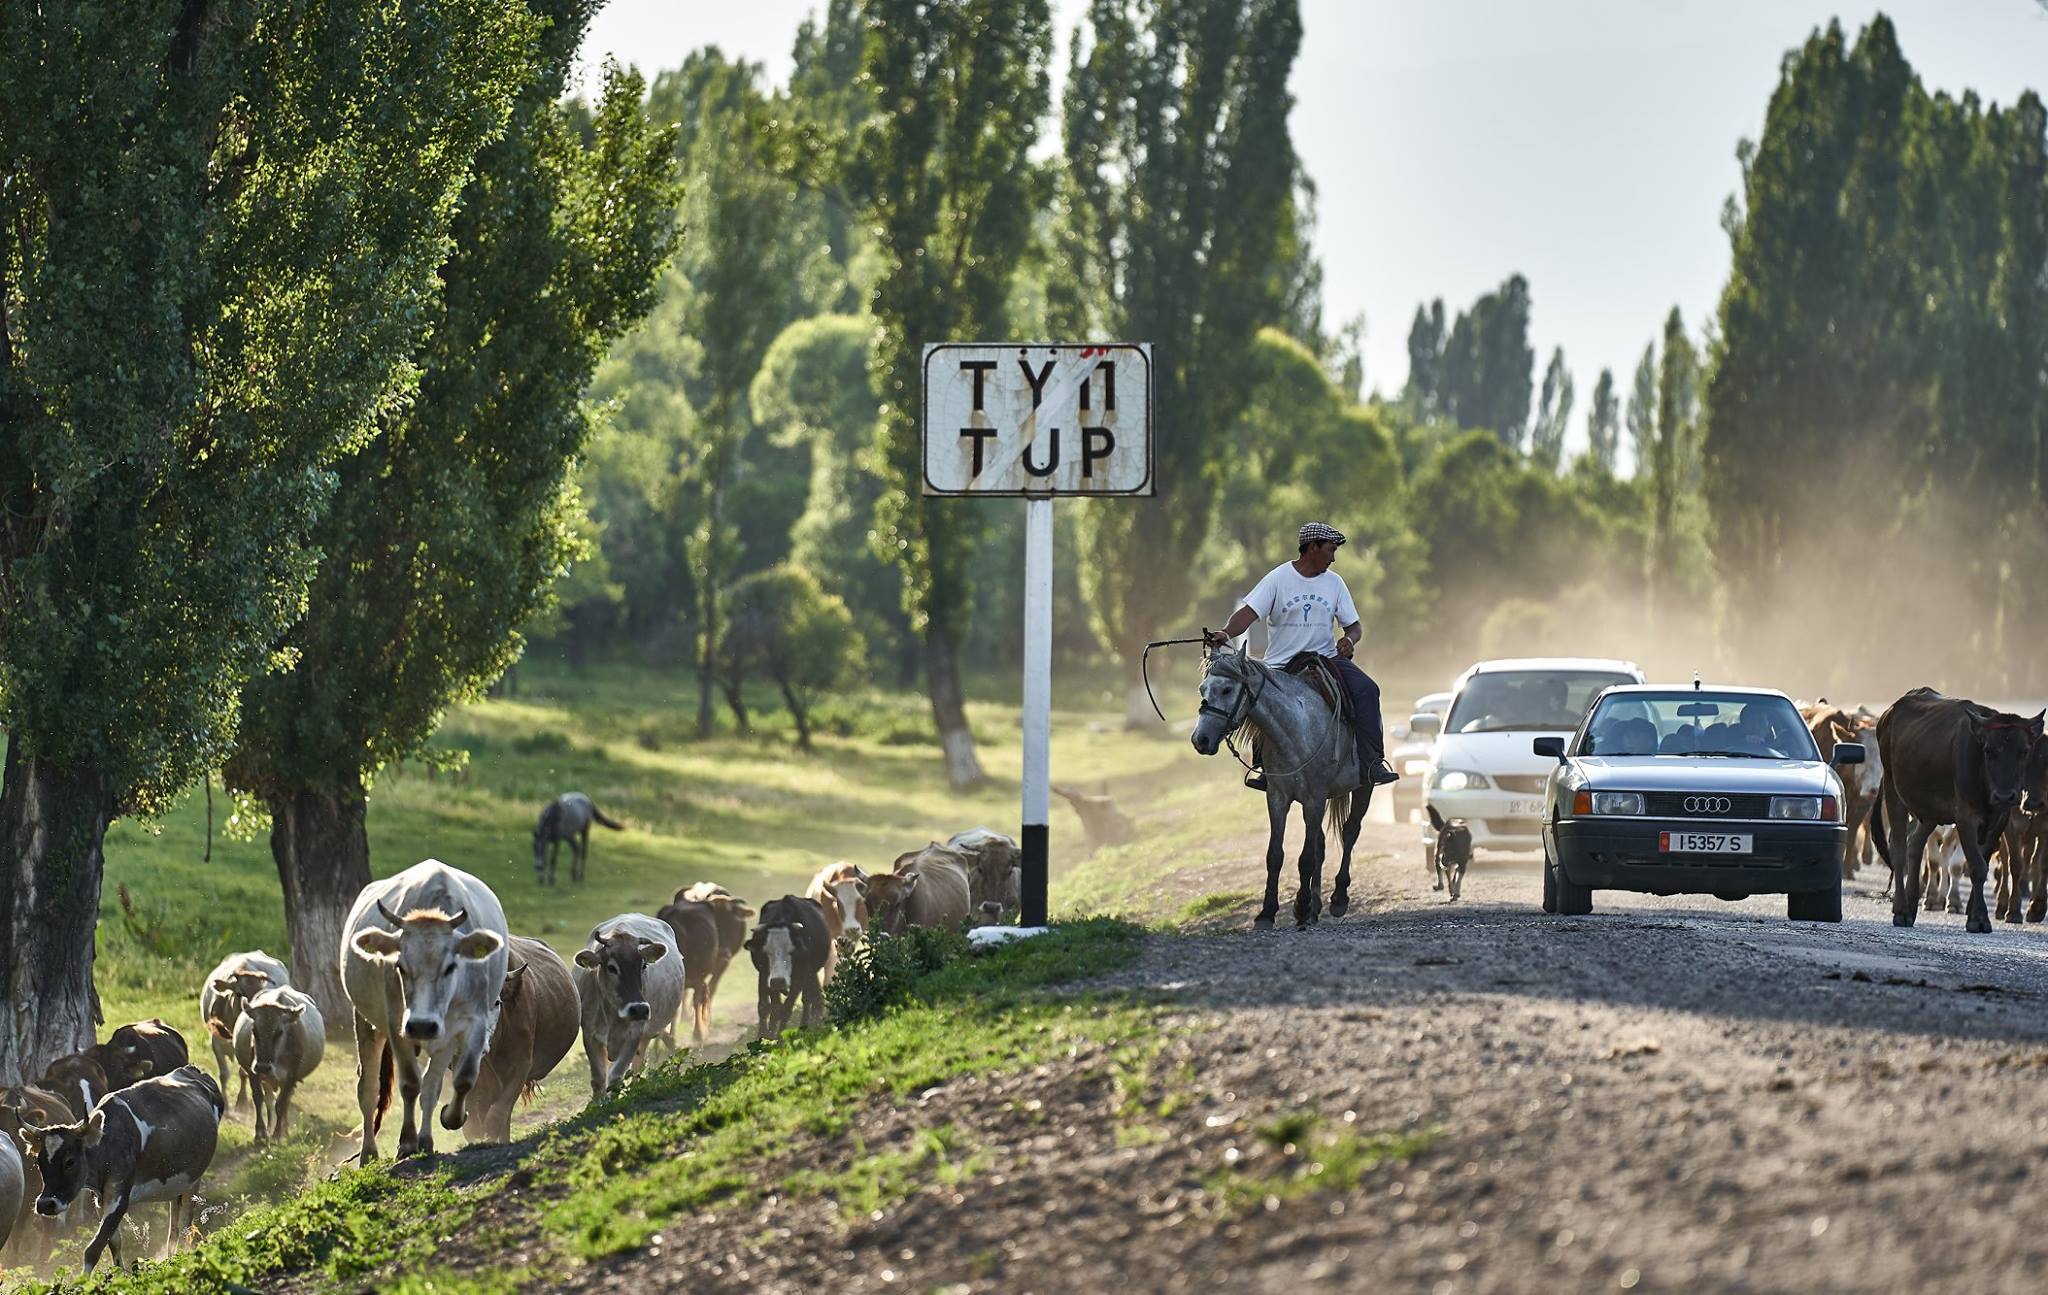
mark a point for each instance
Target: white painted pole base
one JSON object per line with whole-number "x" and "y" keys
{"x": 1037, "y": 706}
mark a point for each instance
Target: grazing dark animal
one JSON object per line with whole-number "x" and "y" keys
{"x": 79, "y": 1079}
{"x": 151, "y": 1141}
{"x": 789, "y": 945}
{"x": 1453, "y": 853}
{"x": 1316, "y": 756}
{"x": 1948, "y": 760}
{"x": 538, "y": 1020}
{"x": 239, "y": 978}
{"x": 2025, "y": 877}
{"x": 629, "y": 988}
{"x": 567, "y": 818}
{"x": 136, "y": 1052}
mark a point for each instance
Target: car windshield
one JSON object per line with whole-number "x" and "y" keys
{"x": 1547, "y": 701}
{"x": 1739, "y": 726}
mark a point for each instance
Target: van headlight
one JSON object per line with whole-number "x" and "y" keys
{"x": 1460, "y": 780}
{"x": 1799, "y": 807}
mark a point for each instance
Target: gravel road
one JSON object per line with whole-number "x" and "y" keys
{"x": 1670, "y": 1094}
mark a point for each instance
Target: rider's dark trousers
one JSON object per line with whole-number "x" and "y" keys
{"x": 1365, "y": 711}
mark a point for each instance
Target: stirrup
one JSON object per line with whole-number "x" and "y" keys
{"x": 1255, "y": 779}
{"x": 1380, "y": 773}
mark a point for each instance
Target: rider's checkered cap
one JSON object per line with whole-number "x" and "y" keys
{"x": 1318, "y": 533}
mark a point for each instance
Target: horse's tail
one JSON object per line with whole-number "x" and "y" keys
{"x": 1335, "y": 811}
{"x": 602, "y": 821}
{"x": 1877, "y": 828}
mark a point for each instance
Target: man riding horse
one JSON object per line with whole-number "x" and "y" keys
{"x": 1301, "y": 601}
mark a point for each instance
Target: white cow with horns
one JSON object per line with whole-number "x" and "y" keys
{"x": 423, "y": 960}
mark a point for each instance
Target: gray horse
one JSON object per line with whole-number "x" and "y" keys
{"x": 1311, "y": 760}
{"x": 567, "y": 818}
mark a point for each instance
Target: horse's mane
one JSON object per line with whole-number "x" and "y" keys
{"x": 1249, "y": 730}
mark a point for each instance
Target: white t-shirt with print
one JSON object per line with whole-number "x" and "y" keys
{"x": 1300, "y": 612}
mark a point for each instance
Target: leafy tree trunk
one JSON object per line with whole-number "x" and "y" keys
{"x": 321, "y": 846}
{"x": 53, "y": 827}
{"x": 801, "y": 714}
{"x": 736, "y": 702}
{"x": 949, "y": 708}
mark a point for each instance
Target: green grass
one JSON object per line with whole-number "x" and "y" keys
{"x": 978, "y": 1015}
{"x": 1307, "y": 1156}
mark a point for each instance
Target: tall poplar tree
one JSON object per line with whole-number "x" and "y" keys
{"x": 1670, "y": 445}
{"x": 1642, "y": 409}
{"x": 1603, "y": 423}
{"x": 448, "y": 531}
{"x": 944, "y": 173}
{"x": 1553, "y": 413}
{"x": 1177, "y": 214}
{"x": 219, "y": 226}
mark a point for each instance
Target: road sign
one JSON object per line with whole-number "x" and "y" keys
{"x": 1038, "y": 419}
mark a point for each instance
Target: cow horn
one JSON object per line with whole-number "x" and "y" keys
{"x": 388, "y": 915}
{"x": 461, "y": 916}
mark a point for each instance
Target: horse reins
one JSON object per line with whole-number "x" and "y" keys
{"x": 1231, "y": 725}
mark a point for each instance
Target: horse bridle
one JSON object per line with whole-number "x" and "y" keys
{"x": 1231, "y": 725}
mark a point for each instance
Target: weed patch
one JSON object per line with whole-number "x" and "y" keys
{"x": 1306, "y": 1157}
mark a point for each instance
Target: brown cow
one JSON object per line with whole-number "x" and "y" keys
{"x": 2021, "y": 880}
{"x": 1830, "y": 725}
{"x": 279, "y": 1040}
{"x": 80, "y": 1079}
{"x": 928, "y": 887}
{"x": 141, "y": 1051}
{"x": 995, "y": 867}
{"x": 538, "y": 1020}
{"x": 32, "y": 1237}
{"x": 1948, "y": 760}
{"x": 710, "y": 925}
{"x": 789, "y": 948}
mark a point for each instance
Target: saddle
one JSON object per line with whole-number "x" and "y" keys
{"x": 1313, "y": 668}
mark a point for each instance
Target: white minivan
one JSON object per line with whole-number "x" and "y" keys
{"x": 1481, "y": 768}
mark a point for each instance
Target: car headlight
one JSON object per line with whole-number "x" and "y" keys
{"x": 1615, "y": 802}
{"x": 1460, "y": 780}
{"x": 1415, "y": 768}
{"x": 1801, "y": 807}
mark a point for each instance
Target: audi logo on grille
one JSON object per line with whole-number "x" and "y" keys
{"x": 1708, "y": 804}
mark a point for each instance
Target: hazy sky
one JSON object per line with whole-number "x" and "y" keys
{"x": 1588, "y": 144}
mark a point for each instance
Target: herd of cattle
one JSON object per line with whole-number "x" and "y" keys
{"x": 1952, "y": 791}
{"x": 441, "y": 990}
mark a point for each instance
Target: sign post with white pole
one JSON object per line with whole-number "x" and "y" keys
{"x": 1037, "y": 420}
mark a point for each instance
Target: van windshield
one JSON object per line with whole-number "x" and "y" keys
{"x": 1544, "y": 701}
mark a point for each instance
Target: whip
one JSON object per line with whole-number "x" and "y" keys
{"x": 1145, "y": 672}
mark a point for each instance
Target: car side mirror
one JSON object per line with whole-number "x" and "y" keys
{"x": 1848, "y": 753}
{"x": 1425, "y": 724}
{"x": 1549, "y": 746}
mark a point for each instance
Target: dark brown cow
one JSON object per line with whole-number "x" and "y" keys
{"x": 79, "y": 1079}
{"x": 2021, "y": 881}
{"x": 31, "y": 1238}
{"x": 1949, "y": 760}
{"x": 538, "y": 1020}
{"x": 790, "y": 946}
{"x": 711, "y": 927}
{"x": 150, "y": 1141}
{"x": 141, "y": 1050}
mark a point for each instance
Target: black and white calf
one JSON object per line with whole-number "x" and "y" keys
{"x": 150, "y": 1141}
{"x": 1453, "y": 852}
